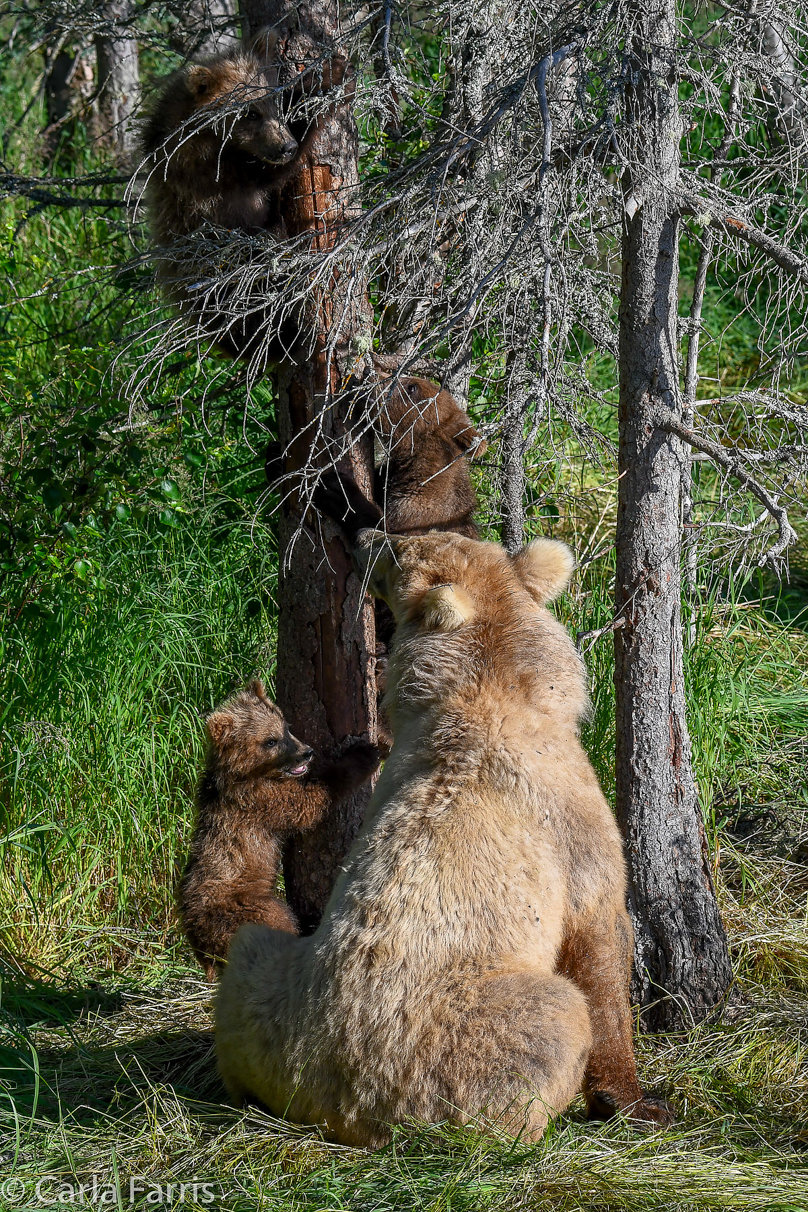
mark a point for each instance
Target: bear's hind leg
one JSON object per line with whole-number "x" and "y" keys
{"x": 260, "y": 1015}
{"x": 516, "y": 1055}
{"x": 598, "y": 960}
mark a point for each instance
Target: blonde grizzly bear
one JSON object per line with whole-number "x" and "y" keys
{"x": 473, "y": 961}
{"x": 260, "y": 785}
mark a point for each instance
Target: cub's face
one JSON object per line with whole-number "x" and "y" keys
{"x": 417, "y": 406}
{"x": 251, "y": 739}
{"x": 260, "y": 133}
{"x": 239, "y": 95}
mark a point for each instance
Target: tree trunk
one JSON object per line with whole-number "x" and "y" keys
{"x": 326, "y": 683}
{"x": 118, "y": 79}
{"x": 209, "y": 27}
{"x": 512, "y": 478}
{"x": 512, "y": 481}
{"x": 681, "y": 956}
{"x": 69, "y": 87}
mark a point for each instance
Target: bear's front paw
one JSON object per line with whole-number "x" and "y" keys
{"x": 330, "y": 496}
{"x": 364, "y": 755}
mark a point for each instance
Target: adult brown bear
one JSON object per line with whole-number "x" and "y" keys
{"x": 473, "y": 960}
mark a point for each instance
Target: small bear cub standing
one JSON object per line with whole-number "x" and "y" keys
{"x": 260, "y": 784}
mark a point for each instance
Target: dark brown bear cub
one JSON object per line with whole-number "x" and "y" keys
{"x": 220, "y": 146}
{"x": 260, "y": 784}
{"x": 424, "y": 482}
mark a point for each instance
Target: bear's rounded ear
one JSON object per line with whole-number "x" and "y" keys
{"x": 544, "y": 567}
{"x": 264, "y": 43}
{"x": 256, "y": 687}
{"x": 467, "y": 437}
{"x": 198, "y": 80}
{"x": 446, "y": 608}
{"x": 481, "y": 447}
{"x": 220, "y": 727}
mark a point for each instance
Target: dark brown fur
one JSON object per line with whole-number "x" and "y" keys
{"x": 424, "y": 482}
{"x": 260, "y": 784}
{"x": 221, "y": 153}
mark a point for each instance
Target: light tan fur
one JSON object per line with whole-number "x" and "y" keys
{"x": 473, "y": 961}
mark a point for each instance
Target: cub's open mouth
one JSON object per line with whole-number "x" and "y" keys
{"x": 294, "y": 771}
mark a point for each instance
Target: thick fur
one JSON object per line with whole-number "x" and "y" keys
{"x": 260, "y": 784}
{"x": 221, "y": 153}
{"x": 423, "y": 483}
{"x": 473, "y": 961}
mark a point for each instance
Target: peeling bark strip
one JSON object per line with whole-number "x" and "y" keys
{"x": 681, "y": 957}
{"x": 326, "y": 641}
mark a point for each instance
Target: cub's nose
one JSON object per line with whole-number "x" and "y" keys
{"x": 289, "y": 148}
{"x": 306, "y": 753}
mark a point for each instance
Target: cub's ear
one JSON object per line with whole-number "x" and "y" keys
{"x": 544, "y": 567}
{"x": 220, "y": 727}
{"x": 480, "y": 448}
{"x": 256, "y": 687}
{"x": 466, "y": 437}
{"x": 198, "y": 80}
{"x": 446, "y": 607}
{"x": 264, "y": 43}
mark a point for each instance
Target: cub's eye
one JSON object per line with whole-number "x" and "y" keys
{"x": 254, "y": 115}
{"x": 270, "y": 744}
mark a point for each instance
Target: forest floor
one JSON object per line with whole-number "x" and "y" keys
{"x": 110, "y": 1082}
{"x": 114, "y": 1084}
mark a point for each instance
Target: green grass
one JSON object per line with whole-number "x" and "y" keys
{"x": 137, "y": 592}
{"x": 107, "y": 1025}
{"x": 104, "y": 685}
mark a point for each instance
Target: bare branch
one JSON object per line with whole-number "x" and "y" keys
{"x": 787, "y": 535}
{"x": 12, "y": 185}
{"x": 713, "y": 212}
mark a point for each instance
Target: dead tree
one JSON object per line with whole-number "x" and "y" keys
{"x": 326, "y": 645}
{"x": 69, "y": 90}
{"x": 680, "y": 943}
{"x": 118, "y": 72}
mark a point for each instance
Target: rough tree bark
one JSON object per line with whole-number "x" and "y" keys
{"x": 118, "y": 79}
{"x": 69, "y": 87}
{"x": 681, "y": 956}
{"x": 211, "y": 27}
{"x": 513, "y": 481}
{"x": 326, "y": 683}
